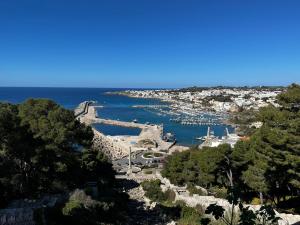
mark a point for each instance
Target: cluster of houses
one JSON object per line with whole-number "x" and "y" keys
{"x": 215, "y": 99}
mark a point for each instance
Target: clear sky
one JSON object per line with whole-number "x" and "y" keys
{"x": 149, "y": 43}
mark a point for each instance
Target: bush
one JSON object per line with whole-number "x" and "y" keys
{"x": 219, "y": 192}
{"x": 194, "y": 190}
{"x": 189, "y": 216}
{"x": 157, "y": 154}
{"x": 255, "y": 201}
{"x": 148, "y": 172}
{"x": 81, "y": 209}
{"x": 170, "y": 195}
{"x": 153, "y": 191}
{"x": 148, "y": 155}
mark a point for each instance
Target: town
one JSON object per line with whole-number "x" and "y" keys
{"x": 217, "y": 99}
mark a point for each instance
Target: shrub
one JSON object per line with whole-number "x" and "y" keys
{"x": 255, "y": 201}
{"x": 157, "y": 154}
{"x": 194, "y": 190}
{"x": 170, "y": 195}
{"x": 153, "y": 191}
{"x": 189, "y": 216}
{"x": 219, "y": 192}
{"x": 148, "y": 172}
{"x": 148, "y": 155}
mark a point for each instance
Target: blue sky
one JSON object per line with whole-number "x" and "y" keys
{"x": 149, "y": 43}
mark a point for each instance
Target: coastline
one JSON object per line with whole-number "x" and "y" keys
{"x": 117, "y": 147}
{"x": 208, "y": 106}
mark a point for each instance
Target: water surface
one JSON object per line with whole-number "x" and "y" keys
{"x": 115, "y": 107}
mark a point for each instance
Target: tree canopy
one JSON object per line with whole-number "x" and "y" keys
{"x": 268, "y": 164}
{"x": 45, "y": 150}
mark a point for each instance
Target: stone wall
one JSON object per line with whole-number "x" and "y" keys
{"x": 108, "y": 146}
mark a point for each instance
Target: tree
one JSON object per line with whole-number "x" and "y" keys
{"x": 174, "y": 167}
{"x": 276, "y": 147}
{"x": 95, "y": 163}
{"x": 205, "y": 167}
{"x": 39, "y": 148}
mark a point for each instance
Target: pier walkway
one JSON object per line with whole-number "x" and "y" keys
{"x": 118, "y": 146}
{"x": 89, "y": 116}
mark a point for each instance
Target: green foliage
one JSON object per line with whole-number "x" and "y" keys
{"x": 194, "y": 190}
{"x": 275, "y": 161}
{"x": 44, "y": 150}
{"x": 264, "y": 216}
{"x": 220, "y": 98}
{"x": 148, "y": 155}
{"x": 243, "y": 119}
{"x": 292, "y": 96}
{"x": 38, "y": 143}
{"x": 189, "y": 216}
{"x": 205, "y": 168}
{"x": 175, "y": 167}
{"x": 267, "y": 165}
{"x": 157, "y": 154}
{"x": 81, "y": 209}
{"x": 94, "y": 163}
{"x": 170, "y": 195}
{"x": 254, "y": 177}
{"x": 147, "y": 171}
{"x": 218, "y": 192}
{"x": 153, "y": 190}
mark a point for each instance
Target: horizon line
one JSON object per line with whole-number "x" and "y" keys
{"x": 193, "y": 86}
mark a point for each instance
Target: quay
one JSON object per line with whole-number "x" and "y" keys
{"x": 87, "y": 113}
{"x": 116, "y": 147}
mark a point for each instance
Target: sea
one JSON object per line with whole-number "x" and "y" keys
{"x": 117, "y": 107}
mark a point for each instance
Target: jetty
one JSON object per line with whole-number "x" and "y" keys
{"x": 116, "y": 147}
{"x": 212, "y": 141}
{"x": 86, "y": 112}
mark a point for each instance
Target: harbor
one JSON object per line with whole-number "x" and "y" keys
{"x": 151, "y": 136}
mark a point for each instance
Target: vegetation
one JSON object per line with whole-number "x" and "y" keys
{"x": 176, "y": 211}
{"x": 196, "y": 190}
{"x": 45, "y": 150}
{"x": 153, "y": 191}
{"x": 245, "y": 216}
{"x": 244, "y": 119}
{"x": 205, "y": 168}
{"x": 265, "y": 166}
{"x": 219, "y": 98}
{"x": 150, "y": 155}
{"x": 190, "y": 216}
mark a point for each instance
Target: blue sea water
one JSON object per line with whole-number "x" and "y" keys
{"x": 115, "y": 107}
{"x": 117, "y": 130}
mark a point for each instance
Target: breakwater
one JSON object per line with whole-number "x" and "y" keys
{"x": 117, "y": 147}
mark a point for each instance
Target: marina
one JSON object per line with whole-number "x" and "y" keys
{"x": 123, "y": 108}
{"x": 119, "y": 144}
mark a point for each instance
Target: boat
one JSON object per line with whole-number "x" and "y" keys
{"x": 135, "y": 120}
{"x": 169, "y": 137}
